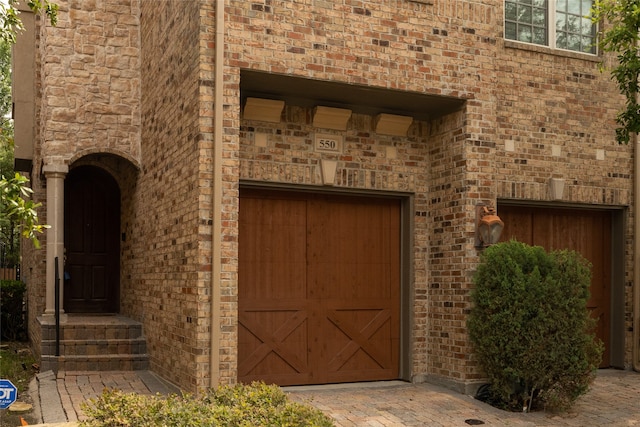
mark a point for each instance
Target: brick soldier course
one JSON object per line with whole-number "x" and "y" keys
{"x": 129, "y": 86}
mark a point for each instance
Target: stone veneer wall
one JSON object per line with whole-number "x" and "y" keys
{"x": 91, "y": 80}
{"x": 88, "y": 101}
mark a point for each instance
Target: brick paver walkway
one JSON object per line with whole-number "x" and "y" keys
{"x": 76, "y": 387}
{"x": 614, "y": 400}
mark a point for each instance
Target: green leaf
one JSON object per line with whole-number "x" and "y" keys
{"x": 619, "y": 22}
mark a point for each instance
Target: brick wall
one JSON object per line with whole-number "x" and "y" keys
{"x": 446, "y": 49}
{"x": 167, "y": 261}
{"x": 530, "y": 114}
{"x": 555, "y": 119}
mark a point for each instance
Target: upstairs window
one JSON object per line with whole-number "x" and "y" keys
{"x": 570, "y": 29}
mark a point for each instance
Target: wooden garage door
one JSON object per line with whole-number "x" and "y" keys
{"x": 585, "y": 231}
{"x": 319, "y": 288}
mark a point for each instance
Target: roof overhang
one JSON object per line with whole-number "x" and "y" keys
{"x": 358, "y": 98}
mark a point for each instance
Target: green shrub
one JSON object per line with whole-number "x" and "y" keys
{"x": 12, "y": 319}
{"x": 241, "y": 405}
{"x": 530, "y": 326}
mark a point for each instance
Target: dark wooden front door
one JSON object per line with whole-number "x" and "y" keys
{"x": 319, "y": 288}
{"x": 92, "y": 245}
{"x": 585, "y": 231}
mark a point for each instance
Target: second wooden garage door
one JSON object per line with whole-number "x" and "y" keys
{"x": 585, "y": 231}
{"x": 319, "y": 288}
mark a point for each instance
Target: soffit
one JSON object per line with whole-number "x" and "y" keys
{"x": 360, "y": 99}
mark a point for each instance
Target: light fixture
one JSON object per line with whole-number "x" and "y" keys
{"x": 556, "y": 188}
{"x": 488, "y": 226}
{"x": 328, "y": 169}
{"x": 331, "y": 118}
{"x": 265, "y": 110}
{"x": 392, "y": 124}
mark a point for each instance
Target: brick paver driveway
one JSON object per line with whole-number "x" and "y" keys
{"x": 614, "y": 400}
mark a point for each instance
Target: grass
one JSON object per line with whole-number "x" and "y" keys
{"x": 16, "y": 364}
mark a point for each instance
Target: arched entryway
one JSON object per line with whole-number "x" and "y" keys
{"x": 91, "y": 238}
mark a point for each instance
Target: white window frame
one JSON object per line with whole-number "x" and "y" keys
{"x": 550, "y": 30}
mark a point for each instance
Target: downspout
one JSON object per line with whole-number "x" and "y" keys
{"x": 636, "y": 258}
{"x": 635, "y": 348}
{"x": 216, "y": 226}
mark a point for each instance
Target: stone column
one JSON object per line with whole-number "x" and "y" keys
{"x": 55, "y": 175}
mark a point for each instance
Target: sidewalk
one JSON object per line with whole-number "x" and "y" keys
{"x": 614, "y": 400}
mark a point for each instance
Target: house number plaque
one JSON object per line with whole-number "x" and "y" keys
{"x": 328, "y": 143}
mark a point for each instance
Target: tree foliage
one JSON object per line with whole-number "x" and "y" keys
{"x": 8, "y": 235}
{"x": 6, "y": 125}
{"x": 620, "y": 25}
{"x": 16, "y": 206}
{"x": 12, "y": 296}
{"x": 19, "y": 208}
{"x": 10, "y": 23}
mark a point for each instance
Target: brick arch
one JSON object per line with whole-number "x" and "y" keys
{"x": 92, "y": 153}
{"x": 123, "y": 169}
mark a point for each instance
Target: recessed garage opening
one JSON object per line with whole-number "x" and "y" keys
{"x": 359, "y": 98}
{"x": 319, "y": 288}
{"x": 596, "y": 235}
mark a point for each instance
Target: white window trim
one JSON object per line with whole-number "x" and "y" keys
{"x": 551, "y": 32}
